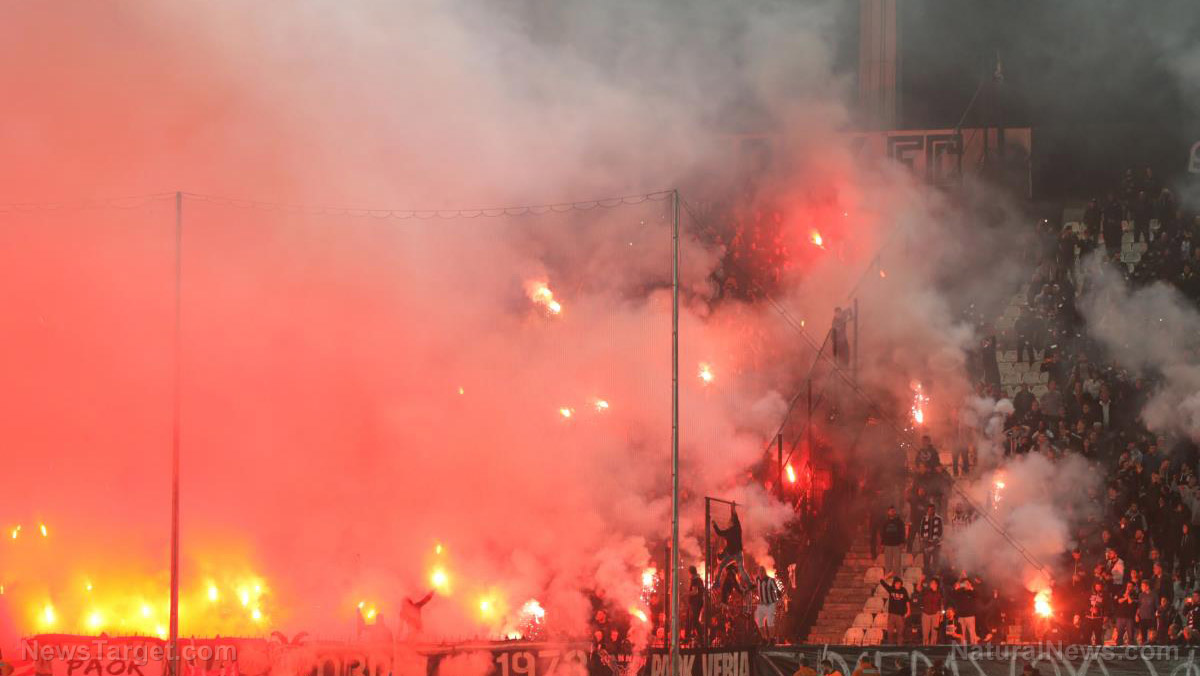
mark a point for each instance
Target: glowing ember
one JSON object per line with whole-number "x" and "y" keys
{"x": 49, "y": 617}
{"x": 706, "y": 374}
{"x": 541, "y": 294}
{"x": 1041, "y": 604}
{"x": 566, "y": 412}
{"x": 44, "y": 532}
{"x": 791, "y": 473}
{"x": 88, "y": 586}
{"x": 461, "y": 391}
{"x": 882, "y": 274}
{"x": 817, "y": 239}
{"x": 15, "y": 532}
{"x": 437, "y": 549}
{"x": 639, "y": 614}
{"x": 601, "y": 405}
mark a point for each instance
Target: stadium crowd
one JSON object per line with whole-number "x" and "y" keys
{"x": 1131, "y": 575}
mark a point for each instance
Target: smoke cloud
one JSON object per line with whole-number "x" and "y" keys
{"x": 361, "y": 392}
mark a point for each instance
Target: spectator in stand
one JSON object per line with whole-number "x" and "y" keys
{"x": 899, "y": 607}
{"x": 695, "y": 601}
{"x": 1191, "y": 629}
{"x": 1022, "y": 400}
{"x": 991, "y": 364}
{"x": 950, "y": 631}
{"x": 768, "y": 599}
{"x": 1114, "y": 566}
{"x": 1189, "y": 548}
{"x": 1141, "y": 211}
{"x": 732, "y": 556}
{"x": 994, "y": 616}
{"x": 1137, "y": 553}
{"x": 865, "y": 667}
{"x": 1124, "y": 611}
{"x": 1091, "y": 218}
{"x": 892, "y": 535}
{"x": 1112, "y": 215}
{"x": 931, "y": 612}
{"x": 965, "y": 605}
{"x": 927, "y": 455}
{"x": 1096, "y": 615}
{"x": 1026, "y": 329}
{"x": 1144, "y": 619}
{"x": 804, "y": 669}
{"x": 1051, "y": 404}
{"x": 931, "y": 540}
{"x": 1164, "y": 617}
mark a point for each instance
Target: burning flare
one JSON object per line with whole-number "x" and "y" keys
{"x": 439, "y": 580}
{"x": 817, "y": 239}
{"x": 706, "y": 374}
{"x": 920, "y": 403}
{"x": 541, "y": 294}
{"x": 1041, "y": 604}
{"x": 791, "y": 473}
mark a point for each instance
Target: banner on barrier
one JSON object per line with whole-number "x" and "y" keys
{"x": 1004, "y": 660}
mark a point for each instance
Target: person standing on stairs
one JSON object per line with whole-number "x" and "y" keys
{"x": 893, "y": 535}
{"x": 965, "y": 603}
{"x": 768, "y": 598}
{"x": 931, "y": 612}
{"x": 899, "y": 607}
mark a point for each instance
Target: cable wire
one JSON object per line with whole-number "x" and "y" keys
{"x": 432, "y": 214}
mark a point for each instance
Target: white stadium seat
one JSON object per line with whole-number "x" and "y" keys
{"x": 873, "y": 605}
{"x": 853, "y": 636}
{"x": 873, "y": 574}
{"x": 881, "y": 621}
{"x": 873, "y": 636}
{"x": 863, "y": 621}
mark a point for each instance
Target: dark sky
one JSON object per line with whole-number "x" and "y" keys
{"x": 1099, "y": 80}
{"x": 1088, "y": 61}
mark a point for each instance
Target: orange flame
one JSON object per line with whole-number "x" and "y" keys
{"x": 817, "y": 239}
{"x": 706, "y": 374}
{"x": 541, "y": 294}
{"x": 791, "y": 473}
{"x": 1041, "y": 604}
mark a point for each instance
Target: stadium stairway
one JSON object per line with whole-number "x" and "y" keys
{"x": 854, "y": 612}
